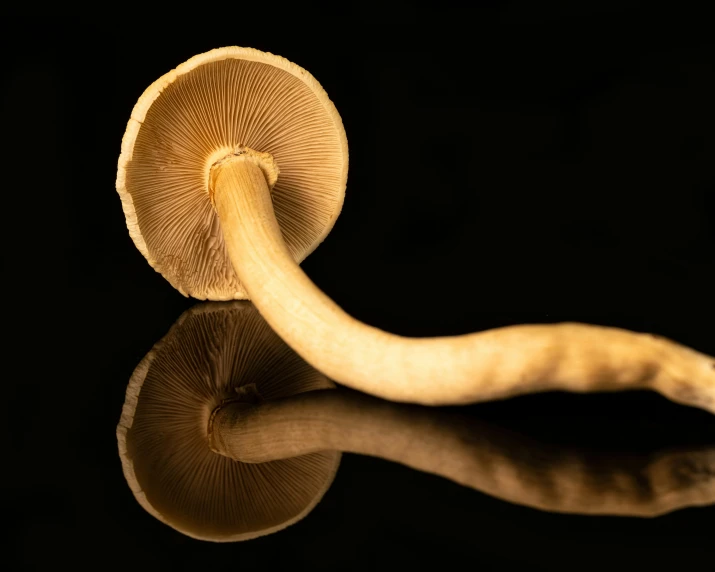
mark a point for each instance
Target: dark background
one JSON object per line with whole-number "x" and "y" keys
{"x": 517, "y": 162}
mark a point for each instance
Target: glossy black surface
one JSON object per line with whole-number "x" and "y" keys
{"x": 514, "y": 164}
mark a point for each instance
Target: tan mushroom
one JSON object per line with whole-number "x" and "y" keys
{"x": 233, "y": 169}
{"x": 216, "y": 353}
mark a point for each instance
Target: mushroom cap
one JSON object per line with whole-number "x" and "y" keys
{"x": 204, "y": 110}
{"x": 213, "y": 353}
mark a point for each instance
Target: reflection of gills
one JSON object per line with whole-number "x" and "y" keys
{"x": 233, "y": 169}
{"x": 467, "y": 451}
{"x": 222, "y": 368}
{"x": 212, "y": 353}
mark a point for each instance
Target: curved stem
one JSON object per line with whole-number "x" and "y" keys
{"x": 492, "y": 364}
{"x": 467, "y": 451}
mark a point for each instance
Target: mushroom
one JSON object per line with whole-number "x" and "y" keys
{"x": 233, "y": 169}
{"x": 226, "y": 434}
{"x": 214, "y": 354}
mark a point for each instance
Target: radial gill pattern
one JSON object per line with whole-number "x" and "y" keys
{"x": 209, "y": 354}
{"x": 199, "y": 113}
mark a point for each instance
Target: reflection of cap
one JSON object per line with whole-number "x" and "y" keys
{"x": 211, "y": 106}
{"x": 216, "y": 353}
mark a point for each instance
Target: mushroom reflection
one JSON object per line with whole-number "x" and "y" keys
{"x": 224, "y": 438}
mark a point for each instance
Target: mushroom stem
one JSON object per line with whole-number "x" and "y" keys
{"x": 492, "y": 364}
{"x": 467, "y": 451}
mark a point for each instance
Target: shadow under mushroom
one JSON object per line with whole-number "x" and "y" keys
{"x": 224, "y": 437}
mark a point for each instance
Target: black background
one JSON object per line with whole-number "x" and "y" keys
{"x": 515, "y": 162}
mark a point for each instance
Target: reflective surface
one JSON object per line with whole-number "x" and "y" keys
{"x": 226, "y": 434}
{"x": 543, "y": 173}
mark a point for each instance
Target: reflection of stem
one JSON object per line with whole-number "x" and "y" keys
{"x": 467, "y": 451}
